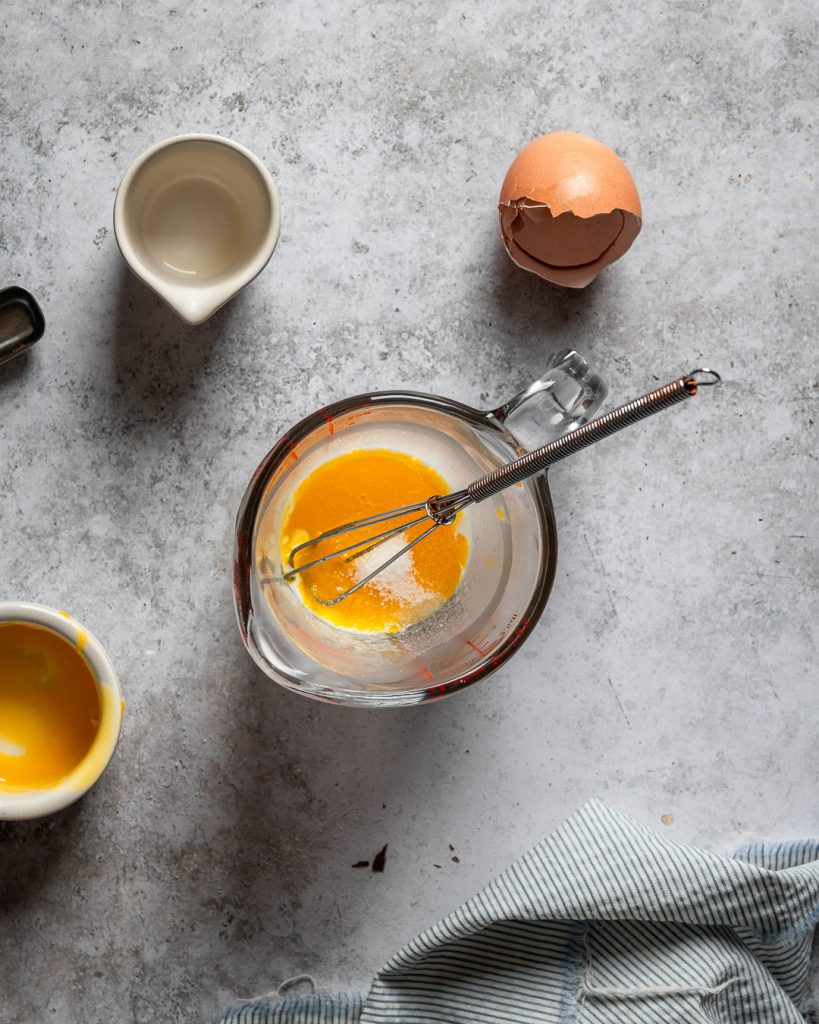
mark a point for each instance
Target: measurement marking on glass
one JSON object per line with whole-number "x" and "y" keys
{"x": 290, "y": 444}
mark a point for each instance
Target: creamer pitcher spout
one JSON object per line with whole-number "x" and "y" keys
{"x": 196, "y": 305}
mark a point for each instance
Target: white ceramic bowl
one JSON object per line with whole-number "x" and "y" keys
{"x": 36, "y": 803}
{"x": 196, "y": 217}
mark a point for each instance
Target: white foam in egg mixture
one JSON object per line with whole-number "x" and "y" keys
{"x": 398, "y": 580}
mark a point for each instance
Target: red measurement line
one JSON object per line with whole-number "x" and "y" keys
{"x": 329, "y": 417}
{"x": 427, "y": 673}
{"x": 476, "y": 648}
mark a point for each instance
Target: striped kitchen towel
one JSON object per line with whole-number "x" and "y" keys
{"x": 604, "y": 922}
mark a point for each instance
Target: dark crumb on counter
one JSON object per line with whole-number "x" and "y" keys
{"x": 380, "y": 858}
{"x": 451, "y": 848}
{"x": 436, "y": 865}
{"x": 455, "y": 860}
{"x": 361, "y": 864}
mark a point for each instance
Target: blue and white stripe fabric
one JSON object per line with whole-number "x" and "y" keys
{"x": 604, "y": 922}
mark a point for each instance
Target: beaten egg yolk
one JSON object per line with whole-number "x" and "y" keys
{"x": 49, "y": 707}
{"x": 354, "y": 486}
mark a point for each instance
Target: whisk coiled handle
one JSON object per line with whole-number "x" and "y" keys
{"x": 590, "y": 433}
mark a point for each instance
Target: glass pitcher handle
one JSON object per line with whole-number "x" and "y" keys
{"x": 568, "y": 395}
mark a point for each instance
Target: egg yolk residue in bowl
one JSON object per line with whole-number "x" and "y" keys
{"x": 354, "y": 486}
{"x": 49, "y": 707}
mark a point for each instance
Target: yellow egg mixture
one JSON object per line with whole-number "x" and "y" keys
{"x": 353, "y": 486}
{"x": 49, "y": 707}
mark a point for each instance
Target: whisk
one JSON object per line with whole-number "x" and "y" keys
{"x": 443, "y": 510}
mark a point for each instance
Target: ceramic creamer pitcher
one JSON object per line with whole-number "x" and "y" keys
{"x": 196, "y": 217}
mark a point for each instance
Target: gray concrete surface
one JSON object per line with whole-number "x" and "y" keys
{"x": 674, "y": 672}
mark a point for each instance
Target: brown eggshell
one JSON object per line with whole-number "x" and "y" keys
{"x": 568, "y": 207}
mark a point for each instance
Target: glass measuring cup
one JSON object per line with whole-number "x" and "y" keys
{"x": 512, "y": 542}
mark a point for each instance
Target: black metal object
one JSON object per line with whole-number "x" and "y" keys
{"x": 21, "y": 322}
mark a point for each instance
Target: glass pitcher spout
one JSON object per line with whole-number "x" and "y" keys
{"x": 568, "y": 394}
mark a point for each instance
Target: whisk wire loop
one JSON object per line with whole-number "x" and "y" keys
{"x": 365, "y": 544}
{"x": 384, "y": 565}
